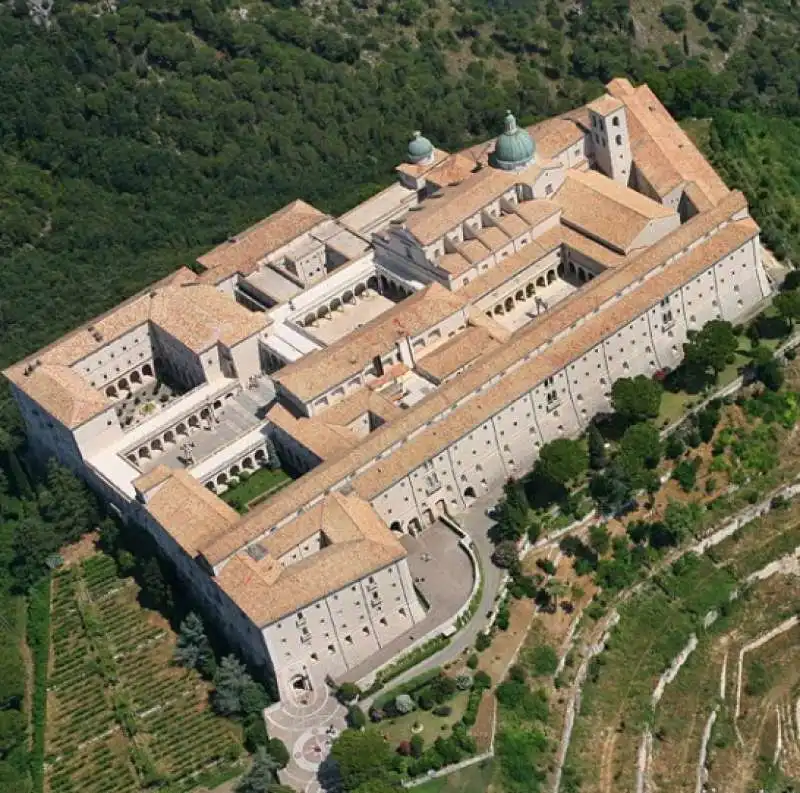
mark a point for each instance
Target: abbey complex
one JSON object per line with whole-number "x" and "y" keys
{"x": 398, "y": 361}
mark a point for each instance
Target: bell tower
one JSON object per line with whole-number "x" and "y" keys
{"x": 610, "y": 138}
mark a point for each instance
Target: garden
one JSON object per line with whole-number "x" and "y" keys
{"x": 121, "y": 717}
{"x": 254, "y": 487}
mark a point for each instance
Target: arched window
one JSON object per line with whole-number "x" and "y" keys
{"x": 615, "y": 121}
{"x": 619, "y": 140}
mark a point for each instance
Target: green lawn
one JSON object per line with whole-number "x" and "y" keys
{"x": 473, "y": 779}
{"x": 399, "y": 729}
{"x": 263, "y": 481}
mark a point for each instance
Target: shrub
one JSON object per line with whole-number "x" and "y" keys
{"x": 348, "y": 692}
{"x": 543, "y": 660}
{"x": 483, "y": 641}
{"x": 517, "y": 673}
{"x": 277, "y": 750}
{"x": 464, "y": 682}
{"x": 355, "y": 717}
{"x": 674, "y": 17}
{"x": 417, "y": 745}
{"x": 404, "y": 748}
{"x": 505, "y": 554}
{"x": 472, "y": 661}
{"x": 481, "y": 681}
{"x": 425, "y": 700}
{"x": 442, "y": 710}
{"x": 403, "y": 704}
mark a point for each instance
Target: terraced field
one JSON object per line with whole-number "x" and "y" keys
{"x": 120, "y": 717}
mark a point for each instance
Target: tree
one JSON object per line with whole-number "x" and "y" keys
{"x": 192, "y": 648}
{"x": 505, "y": 555}
{"x": 514, "y": 511}
{"x": 787, "y": 304}
{"x": 597, "y": 448}
{"x": 556, "y": 589}
{"x": 230, "y": 684}
{"x": 770, "y": 373}
{"x": 711, "y": 348}
{"x": 599, "y": 538}
{"x": 674, "y": 446}
{"x": 67, "y": 504}
{"x": 156, "y": 593}
{"x": 260, "y": 778}
{"x": 347, "y": 692}
{"x": 674, "y": 17}
{"x": 562, "y": 461}
{"x": 356, "y": 717}
{"x": 682, "y": 519}
{"x": 636, "y": 398}
{"x": 363, "y": 757}
{"x": 417, "y": 745}
{"x": 278, "y": 751}
{"x": 641, "y": 443}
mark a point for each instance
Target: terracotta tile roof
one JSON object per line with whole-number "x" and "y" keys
{"x": 605, "y": 105}
{"x": 492, "y": 237}
{"x": 530, "y": 338}
{"x": 461, "y": 350}
{"x": 504, "y": 271}
{"x": 422, "y": 169}
{"x": 242, "y": 253}
{"x": 195, "y": 314}
{"x": 359, "y": 545}
{"x": 606, "y": 210}
{"x": 454, "y": 169}
{"x": 189, "y": 512}
{"x": 474, "y": 250}
{"x": 440, "y": 213}
{"x": 319, "y": 437}
{"x": 549, "y": 361}
{"x": 513, "y": 225}
{"x": 365, "y": 400}
{"x": 672, "y": 152}
{"x": 454, "y": 263}
{"x": 535, "y": 211}
{"x": 588, "y": 247}
{"x": 323, "y": 369}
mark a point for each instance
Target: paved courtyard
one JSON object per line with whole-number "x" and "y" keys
{"x": 348, "y": 317}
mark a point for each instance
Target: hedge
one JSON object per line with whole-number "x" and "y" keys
{"x": 406, "y": 688}
{"x": 407, "y": 662}
{"x": 39, "y": 643}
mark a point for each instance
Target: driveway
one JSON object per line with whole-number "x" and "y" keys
{"x": 476, "y": 525}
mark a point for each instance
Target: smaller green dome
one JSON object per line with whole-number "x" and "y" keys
{"x": 419, "y": 148}
{"x": 514, "y": 148}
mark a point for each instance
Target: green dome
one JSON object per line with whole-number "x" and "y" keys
{"x": 419, "y": 148}
{"x": 514, "y": 148}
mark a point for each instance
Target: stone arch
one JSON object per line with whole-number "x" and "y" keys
{"x": 551, "y": 276}
{"x": 348, "y": 298}
{"x": 520, "y": 296}
{"x": 222, "y": 478}
{"x": 572, "y": 268}
{"x": 260, "y": 455}
{"x": 560, "y": 269}
{"x": 310, "y": 319}
{"x": 169, "y": 436}
{"x": 384, "y": 282}
{"x": 530, "y": 290}
{"x": 509, "y": 304}
{"x": 144, "y": 453}
{"x": 359, "y": 290}
{"x": 414, "y": 526}
{"x": 469, "y": 493}
{"x": 111, "y": 392}
{"x": 396, "y": 527}
{"x": 372, "y": 283}
{"x": 194, "y": 422}
{"x": 205, "y": 413}
{"x": 489, "y": 314}
{"x": 147, "y": 370}
{"x": 540, "y": 281}
{"x": 498, "y": 310}
{"x": 247, "y": 463}
{"x": 235, "y": 470}
{"x": 123, "y": 384}
{"x": 323, "y": 311}
{"x": 582, "y": 275}
{"x": 181, "y": 429}
{"x": 336, "y": 304}
{"x": 136, "y": 378}
{"x": 132, "y": 458}
{"x": 211, "y": 486}
{"x": 157, "y": 446}
{"x": 217, "y": 404}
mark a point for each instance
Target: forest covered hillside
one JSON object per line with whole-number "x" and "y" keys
{"x": 136, "y": 135}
